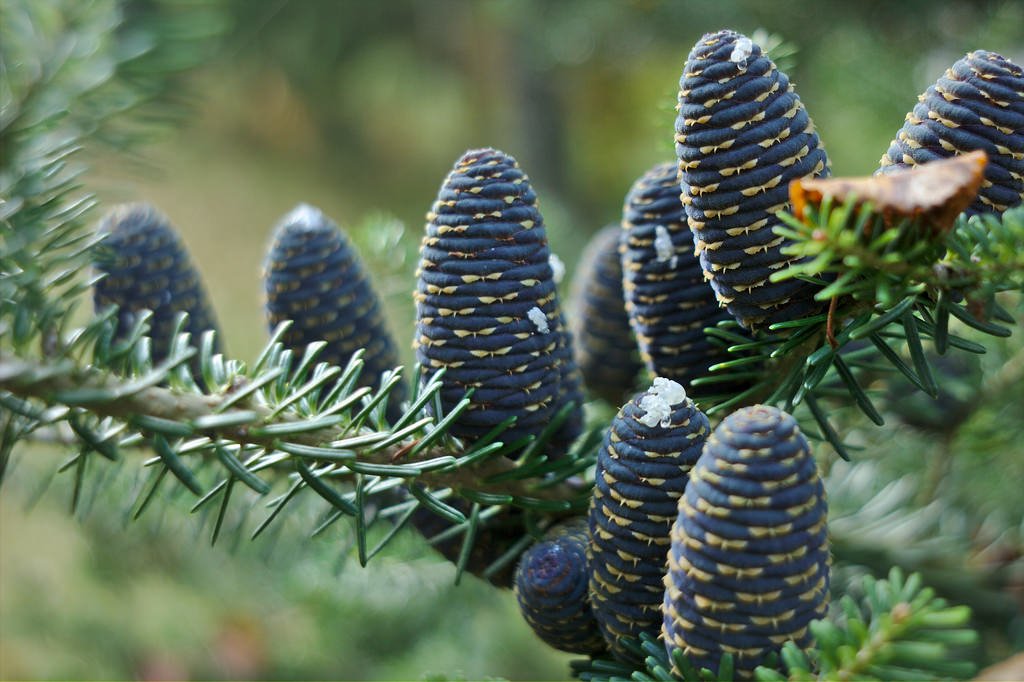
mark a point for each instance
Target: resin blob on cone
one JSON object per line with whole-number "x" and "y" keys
{"x": 642, "y": 470}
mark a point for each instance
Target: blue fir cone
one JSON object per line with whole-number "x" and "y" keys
{"x": 313, "y": 276}
{"x": 668, "y": 301}
{"x": 642, "y": 470}
{"x": 749, "y": 562}
{"x": 742, "y": 134}
{"x": 147, "y": 267}
{"x": 977, "y": 104}
{"x": 551, "y": 588}
{"x": 606, "y": 350}
{"x": 486, "y": 306}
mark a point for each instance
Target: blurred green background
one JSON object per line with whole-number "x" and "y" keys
{"x": 360, "y": 108}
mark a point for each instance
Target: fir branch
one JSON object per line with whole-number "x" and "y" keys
{"x": 985, "y": 255}
{"x": 896, "y": 285}
{"x": 896, "y": 261}
{"x": 898, "y": 630}
{"x": 91, "y": 73}
{"x": 875, "y": 524}
{"x": 279, "y": 420}
{"x": 286, "y": 436}
{"x": 74, "y": 72}
{"x": 98, "y": 70}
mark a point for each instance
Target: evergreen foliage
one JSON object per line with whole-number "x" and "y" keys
{"x": 291, "y": 424}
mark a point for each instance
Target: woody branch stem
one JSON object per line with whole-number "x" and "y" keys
{"x": 33, "y": 380}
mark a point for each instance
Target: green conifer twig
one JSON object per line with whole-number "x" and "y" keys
{"x": 163, "y": 411}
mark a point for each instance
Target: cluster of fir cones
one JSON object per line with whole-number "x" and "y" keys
{"x": 717, "y": 539}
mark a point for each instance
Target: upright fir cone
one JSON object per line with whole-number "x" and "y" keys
{"x": 668, "y": 301}
{"x": 749, "y": 562}
{"x": 486, "y": 306}
{"x": 642, "y": 470}
{"x": 551, "y": 588}
{"x": 314, "y": 277}
{"x": 742, "y": 135}
{"x": 147, "y": 266}
{"x": 606, "y": 350}
{"x": 977, "y": 104}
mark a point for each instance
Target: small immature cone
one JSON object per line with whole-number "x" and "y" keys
{"x": 314, "y": 277}
{"x": 749, "y": 563}
{"x": 742, "y": 135}
{"x": 668, "y": 301}
{"x": 642, "y": 470}
{"x": 486, "y": 306}
{"x": 605, "y": 348}
{"x": 551, "y": 588}
{"x": 148, "y": 267}
{"x": 978, "y": 104}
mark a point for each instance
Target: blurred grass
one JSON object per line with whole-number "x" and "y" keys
{"x": 362, "y": 111}
{"x": 98, "y": 597}
{"x": 226, "y": 214}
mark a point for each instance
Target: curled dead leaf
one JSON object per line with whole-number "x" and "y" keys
{"x": 934, "y": 193}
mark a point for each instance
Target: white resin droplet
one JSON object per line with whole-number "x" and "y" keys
{"x": 557, "y": 268}
{"x": 539, "y": 319}
{"x": 656, "y": 410}
{"x": 658, "y": 401}
{"x": 663, "y": 244}
{"x": 305, "y": 215}
{"x": 742, "y": 50}
{"x": 671, "y": 391}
